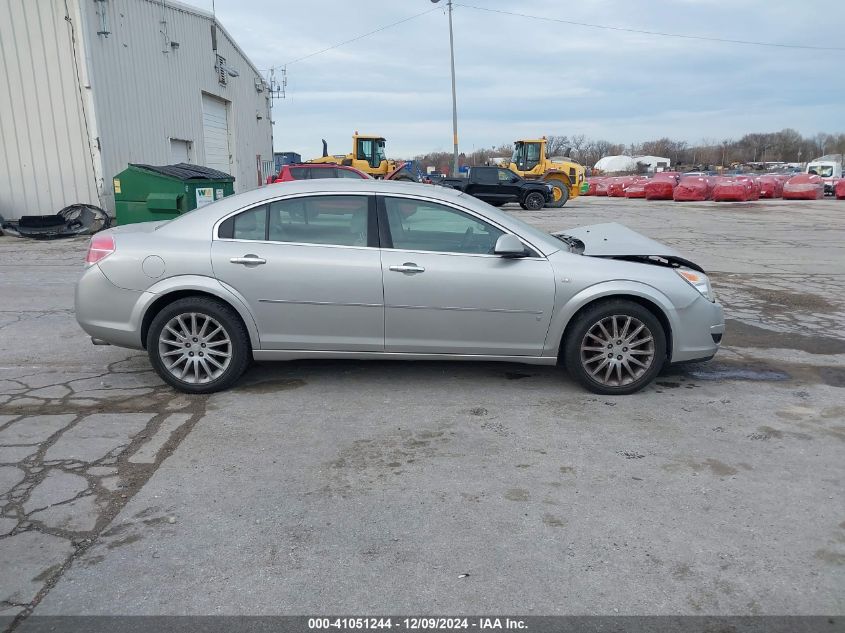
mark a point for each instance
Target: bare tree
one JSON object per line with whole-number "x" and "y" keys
{"x": 557, "y": 145}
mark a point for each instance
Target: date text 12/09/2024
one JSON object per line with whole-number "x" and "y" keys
{"x": 415, "y": 623}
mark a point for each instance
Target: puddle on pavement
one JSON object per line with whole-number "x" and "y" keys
{"x": 833, "y": 376}
{"x": 270, "y": 386}
{"x": 779, "y": 298}
{"x": 741, "y": 334}
{"x": 719, "y": 371}
{"x": 758, "y": 372}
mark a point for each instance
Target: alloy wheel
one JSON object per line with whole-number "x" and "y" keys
{"x": 195, "y": 348}
{"x": 617, "y": 350}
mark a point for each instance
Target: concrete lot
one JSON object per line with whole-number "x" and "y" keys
{"x": 354, "y": 487}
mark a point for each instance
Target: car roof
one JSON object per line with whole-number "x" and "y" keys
{"x": 322, "y": 185}
{"x": 318, "y": 165}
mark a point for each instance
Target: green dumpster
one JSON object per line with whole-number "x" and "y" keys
{"x": 144, "y": 193}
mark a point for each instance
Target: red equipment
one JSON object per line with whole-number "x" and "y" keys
{"x": 804, "y": 187}
{"x": 693, "y": 189}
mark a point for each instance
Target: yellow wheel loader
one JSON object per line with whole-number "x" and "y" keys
{"x": 529, "y": 160}
{"x": 368, "y": 156}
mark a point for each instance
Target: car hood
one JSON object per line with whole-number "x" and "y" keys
{"x": 616, "y": 241}
{"x": 612, "y": 240}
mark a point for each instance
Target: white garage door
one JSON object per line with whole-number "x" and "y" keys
{"x": 215, "y": 129}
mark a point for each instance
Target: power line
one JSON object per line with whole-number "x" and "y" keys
{"x": 656, "y": 33}
{"x": 360, "y": 37}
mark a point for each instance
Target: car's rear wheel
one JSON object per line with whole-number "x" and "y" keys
{"x": 615, "y": 347}
{"x": 534, "y": 201}
{"x": 198, "y": 345}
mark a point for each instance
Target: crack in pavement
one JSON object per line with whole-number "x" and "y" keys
{"x": 70, "y": 460}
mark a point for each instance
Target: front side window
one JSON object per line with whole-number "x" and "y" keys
{"x": 248, "y": 225}
{"x": 329, "y": 220}
{"x": 506, "y": 175}
{"x": 419, "y": 225}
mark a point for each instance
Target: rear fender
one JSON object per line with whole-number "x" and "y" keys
{"x": 607, "y": 290}
{"x": 205, "y": 285}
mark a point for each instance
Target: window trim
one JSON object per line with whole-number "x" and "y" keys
{"x": 387, "y": 239}
{"x": 372, "y": 221}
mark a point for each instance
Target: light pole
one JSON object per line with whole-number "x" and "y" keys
{"x": 454, "y": 96}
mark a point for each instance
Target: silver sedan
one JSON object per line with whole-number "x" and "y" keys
{"x": 385, "y": 270}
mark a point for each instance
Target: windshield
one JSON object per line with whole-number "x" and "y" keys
{"x": 825, "y": 171}
{"x": 380, "y": 156}
{"x": 526, "y": 155}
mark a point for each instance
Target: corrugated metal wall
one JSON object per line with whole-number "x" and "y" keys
{"x": 143, "y": 91}
{"x": 45, "y": 163}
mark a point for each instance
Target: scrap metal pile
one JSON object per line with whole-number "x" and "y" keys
{"x": 76, "y": 219}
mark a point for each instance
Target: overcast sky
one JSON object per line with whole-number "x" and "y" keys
{"x": 519, "y": 77}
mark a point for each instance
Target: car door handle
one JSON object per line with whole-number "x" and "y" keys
{"x": 409, "y": 268}
{"x": 249, "y": 260}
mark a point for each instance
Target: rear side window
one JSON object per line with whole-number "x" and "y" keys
{"x": 249, "y": 225}
{"x": 348, "y": 173}
{"x": 485, "y": 176}
{"x": 327, "y": 220}
{"x": 299, "y": 173}
{"x": 323, "y": 172}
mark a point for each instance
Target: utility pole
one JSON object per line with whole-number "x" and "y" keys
{"x": 454, "y": 95}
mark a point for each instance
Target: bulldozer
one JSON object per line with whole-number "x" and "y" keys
{"x": 368, "y": 156}
{"x": 529, "y": 160}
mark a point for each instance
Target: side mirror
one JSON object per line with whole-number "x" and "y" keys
{"x": 509, "y": 246}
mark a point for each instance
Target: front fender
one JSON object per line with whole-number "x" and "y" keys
{"x": 607, "y": 289}
{"x": 207, "y": 285}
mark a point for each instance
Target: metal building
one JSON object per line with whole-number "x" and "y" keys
{"x": 88, "y": 86}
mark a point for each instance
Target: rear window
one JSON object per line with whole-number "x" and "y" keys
{"x": 348, "y": 173}
{"x": 299, "y": 173}
{"x": 328, "y": 220}
{"x": 323, "y": 172}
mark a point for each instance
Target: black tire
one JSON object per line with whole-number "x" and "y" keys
{"x": 232, "y": 327}
{"x": 560, "y": 184}
{"x": 534, "y": 201}
{"x": 579, "y": 363}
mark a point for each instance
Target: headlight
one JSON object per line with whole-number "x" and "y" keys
{"x": 697, "y": 280}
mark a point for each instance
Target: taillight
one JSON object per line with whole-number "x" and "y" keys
{"x": 101, "y": 246}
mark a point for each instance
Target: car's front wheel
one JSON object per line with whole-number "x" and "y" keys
{"x": 198, "y": 345}
{"x": 534, "y": 201}
{"x": 615, "y": 347}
